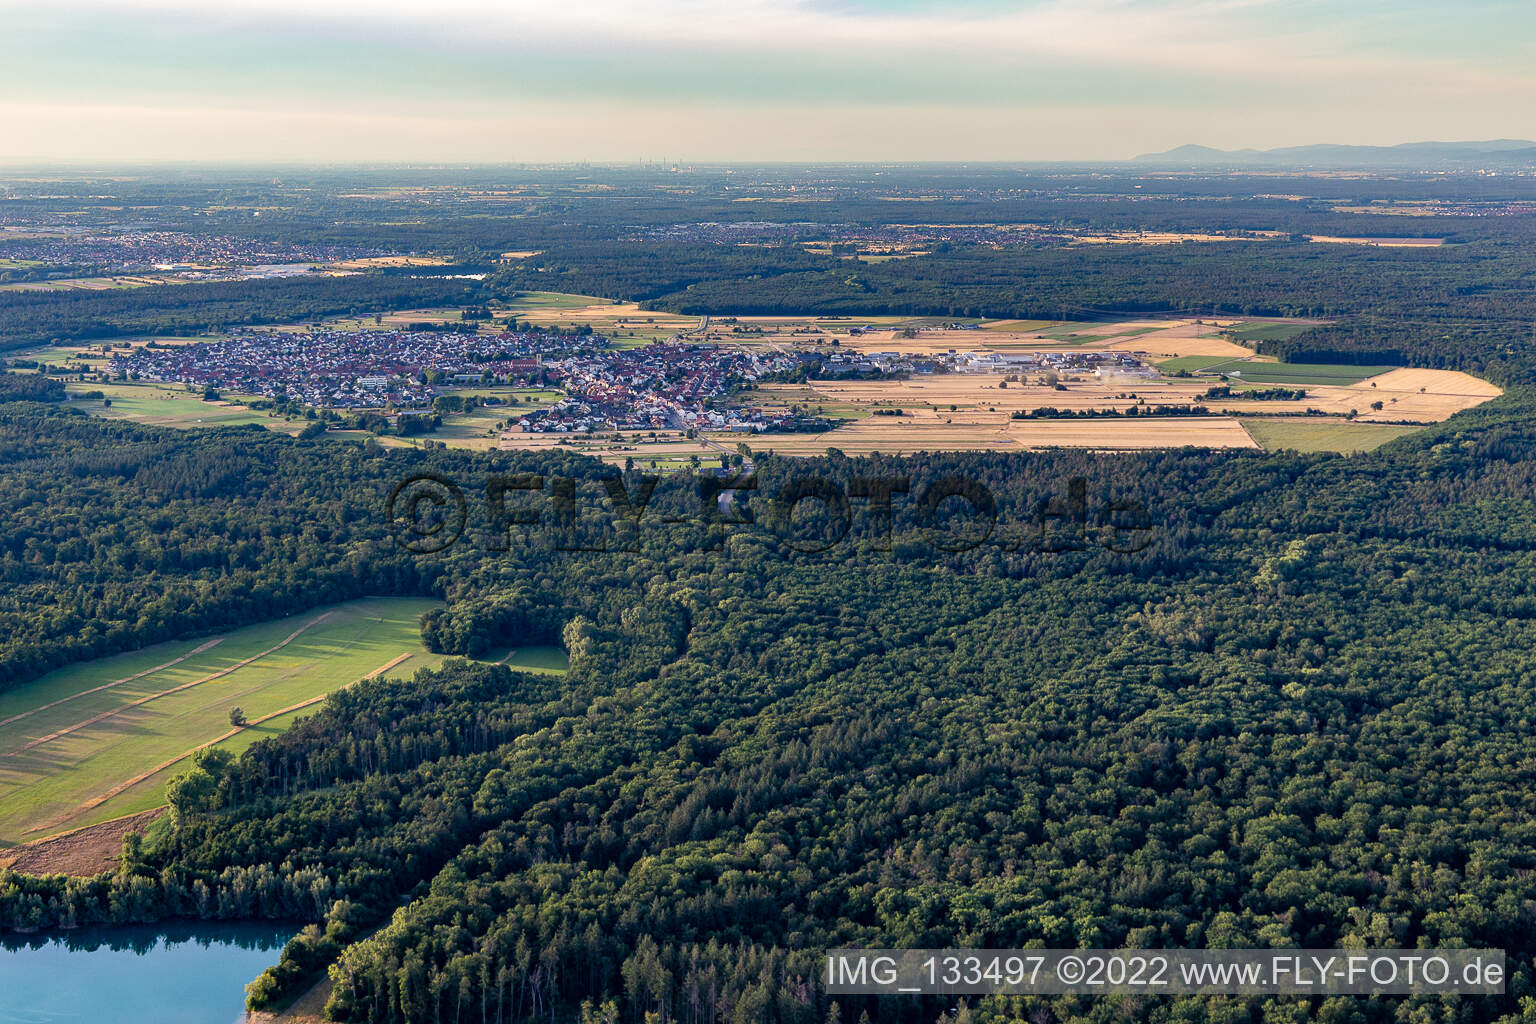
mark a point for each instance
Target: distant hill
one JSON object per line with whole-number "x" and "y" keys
{"x": 1495, "y": 153}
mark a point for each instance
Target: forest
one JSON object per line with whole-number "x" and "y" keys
{"x": 1298, "y": 717}
{"x": 29, "y": 319}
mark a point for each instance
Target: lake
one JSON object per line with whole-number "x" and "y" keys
{"x": 156, "y": 974}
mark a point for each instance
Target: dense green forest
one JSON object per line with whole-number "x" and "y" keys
{"x": 38, "y": 318}
{"x": 1299, "y": 716}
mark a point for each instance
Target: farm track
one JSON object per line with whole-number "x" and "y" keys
{"x": 127, "y": 784}
{"x": 117, "y": 682}
{"x": 60, "y": 733}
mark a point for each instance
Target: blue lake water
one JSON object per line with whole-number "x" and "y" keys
{"x": 171, "y": 974}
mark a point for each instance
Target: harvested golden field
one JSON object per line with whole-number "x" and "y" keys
{"x": 876, "y": 434}
{"x": 1180, "y": 338}
{"x": 1419, "y": 396}
{"x": 983, "y": 397}
{"x": 625, "y": 322}
{"x": 1158, "y": 339}
{"x": 372, "y": 262}
{"x": 1387, "y": 243}
{"x": 1117, "y": 434}
{"x": 975, "y": 411}
{"x": 1441, "y": 382}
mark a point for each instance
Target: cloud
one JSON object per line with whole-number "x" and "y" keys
{"x": 1254, "y": 39}
{"x": 758, "y": 79}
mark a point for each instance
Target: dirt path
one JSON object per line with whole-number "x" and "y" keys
{"x": 124, "y": 786}
{"x": 166, "y": 693}
{"x": 309, "y": 1008}
{"x": 117, "y": 682}
{"x": 86, "y": 851}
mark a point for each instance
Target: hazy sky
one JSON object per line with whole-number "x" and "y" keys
{"x": 717, "y": 80}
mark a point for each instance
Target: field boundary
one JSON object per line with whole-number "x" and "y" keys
{"x": 107, "y": 686}
{"x": 166, "y": 693}
{"x": 127, "y": 784}
{"x": 63, "y": 853}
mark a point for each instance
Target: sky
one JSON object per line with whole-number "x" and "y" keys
{"x": 540, "y": 81}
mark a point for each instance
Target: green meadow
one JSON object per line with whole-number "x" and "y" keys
{"x": 1300, "y": 373}
{"x": 1323, "y": 436}
{"x": 72, "y": 739}
{"x": 170, "y": 405}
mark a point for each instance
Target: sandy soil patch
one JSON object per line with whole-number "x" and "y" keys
{"x": 86, "y": 851}
{"x": 309, "y": 1008}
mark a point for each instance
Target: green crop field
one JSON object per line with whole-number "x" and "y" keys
{"x": 167, "y": 405}
{"x": 1076, "y": 333}
{"x": 1192, "y": 363}
{"x": 79, "y": 734}
{"x": 481, "y": 426}
{"x": 1270, "y": 332}
{"x": 1301, "y": 373}
{"x": 536, "y": 658}
{"x": 1012, "y": 326}
{"x": 1322, "y": 435}
{"x": 553, "y": 300}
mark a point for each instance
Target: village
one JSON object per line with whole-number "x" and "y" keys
{"x": 671, "y": 385}
{"x": 118, "y": 251}
{"x": 381, "y": 369}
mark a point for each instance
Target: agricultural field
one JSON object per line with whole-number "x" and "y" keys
{"x": 100, "y": 739}
{"x": 661, "y": 450}
{"x": 871, "y": 436}
{"x": 526, "y": 301}
{"x": 806, "y": 397}
{"x": 92, "y": 284}
{"x": 1270, "y": 330}
{"x": 396, "y": 320}
{"x": 1154, "y": 339}
{"x": 1191, "y": 364}
{"x": 481, "y": 428}
{"x": 1330, "y": 435}
{"x": 1297, "y": 373}
{"x": 376, "y": 262}
{"x": 169, "y": 405}
{"x": 625, "y": 323}
{"x": 1386, "y": 243}
{"x": 1417, "y": 395}
{"x": 534, "y": 658}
